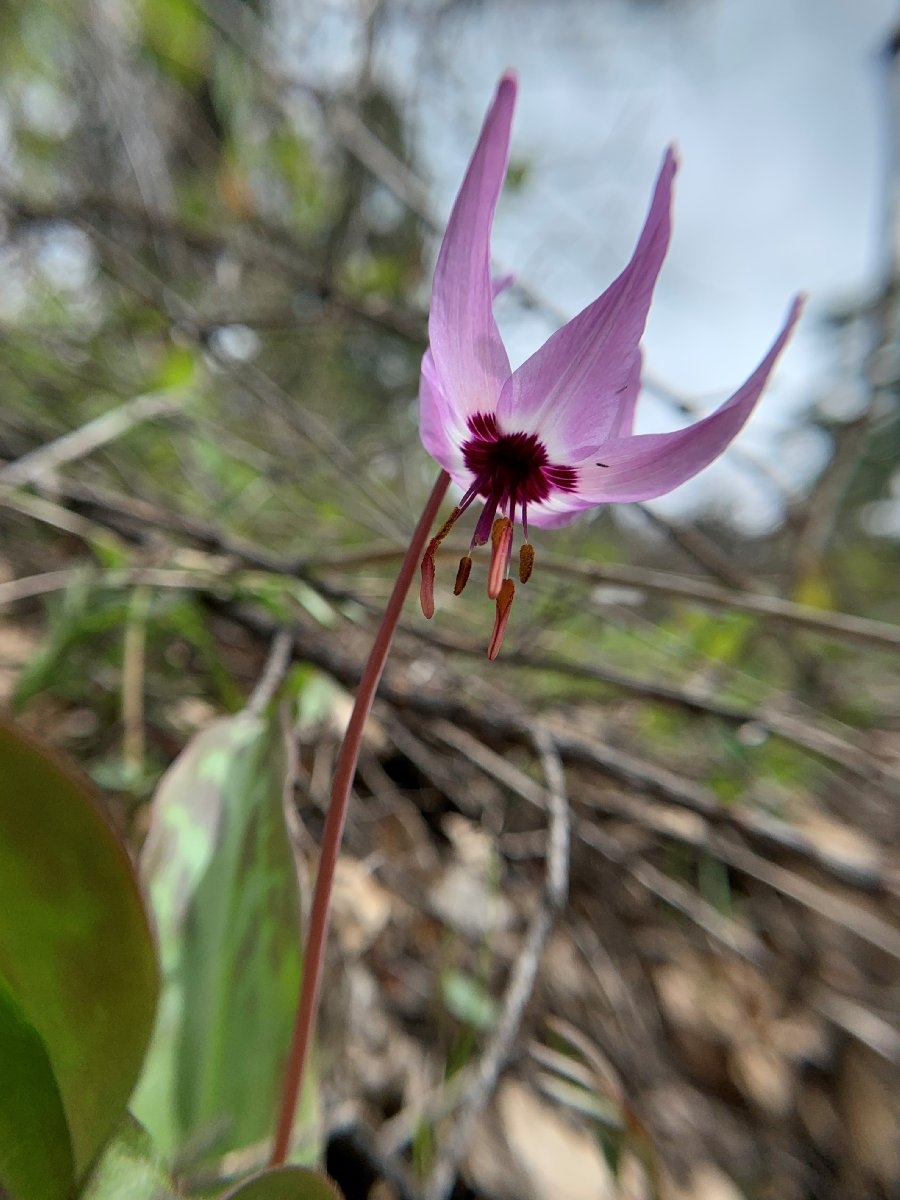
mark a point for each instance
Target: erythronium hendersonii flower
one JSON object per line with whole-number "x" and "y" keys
{"x": 543, "y": 443}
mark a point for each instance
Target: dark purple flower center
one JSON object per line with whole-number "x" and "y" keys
{"x": 512, "y": 469}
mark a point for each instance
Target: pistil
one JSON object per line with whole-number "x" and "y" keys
{"x": 501, "y": 549}
{"x": 501, "y": 620}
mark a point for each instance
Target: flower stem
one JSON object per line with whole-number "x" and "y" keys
{"x": 345, "y": 770}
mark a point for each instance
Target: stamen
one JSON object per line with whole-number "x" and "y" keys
{"x": 486, "y": 520}
{"x": 504, "y": 605}
{"x": 509, "y": 471}
{"x": 463, "y": 571}
{"x": 426, "y": 588}
{"x": 501, "y": 546}
{"x": 446, "y": 527}
{"x": 526, "y": 562}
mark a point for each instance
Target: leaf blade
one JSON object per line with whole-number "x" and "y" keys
{"x": 222, "y": 880}
{"x": 286, "y": 1183}
{"x": 35, "y": 1147}
{"x": 75, "y": 944}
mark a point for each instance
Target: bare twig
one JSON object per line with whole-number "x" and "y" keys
{"x": 823, "y": 901}
{"x": 700, "y": 549}
{"x": 845, "y": 626}
{"x": 254, "y": 243}
{"x": 274, "y": 672}
{"x": 633, "y": 770}
{"x": 48, "y": 513}
{"x": 118, "y": 577}
{"x": 867, "y": 1027}
{"x": 808, "y": 735}
{"x": 724, "y": 931}
{"x": 133, "y": 663}
{"x": 90, "y": 436}
{"x": 482, "y": 1082}
{"x": 841, "y": 626}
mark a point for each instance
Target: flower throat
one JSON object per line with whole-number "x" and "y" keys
{"x": 511, "y": 471}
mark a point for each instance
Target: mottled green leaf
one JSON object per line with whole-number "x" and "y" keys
{"x": 35, "y": 1149}
{"x": 286, "y": 1183}
{"x": 221, "y": 875}
{"x": 130, "y": 1168}
{"x": 75, "y": 949}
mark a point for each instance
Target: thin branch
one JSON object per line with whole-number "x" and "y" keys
{"x": 823, "y": 901}
{"x": 700, "y": 549}
{"x": 845, "y": 626}
{"x": 54, "y": 515}
{"x": 134, "y": 650}
{"x": 254, "y": 243}
{"x": 116, "y": 577}
{"x": 724, "y": 931}
{"x": 315, "y": 429}
{"x": 867, "y": 1027}
{"x": 89, "y": 437}
{"x": 482, "y": 1082}
{"x": 813, "y": 738}
{"x": 273, "y": 673}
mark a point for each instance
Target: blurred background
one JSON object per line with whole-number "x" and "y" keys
{"x": 218, "y": 221}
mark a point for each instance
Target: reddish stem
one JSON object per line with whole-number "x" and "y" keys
{"x": 345, "y": 770}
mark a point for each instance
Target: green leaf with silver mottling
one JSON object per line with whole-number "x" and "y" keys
{"x": 286, "y": 1183}
{"x": 222, "y": 881}
{"x": 130, "y": 1168}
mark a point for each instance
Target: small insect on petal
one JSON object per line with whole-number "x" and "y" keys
{"x": 526, "y": 562}
{"x": 504, "y": 606}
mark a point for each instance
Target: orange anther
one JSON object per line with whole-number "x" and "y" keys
{"x": 426, "y": 589}
{"x": 463, "y": 571}
{"x": 526, "y": 562}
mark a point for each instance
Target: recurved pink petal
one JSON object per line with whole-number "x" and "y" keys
{"x": 559, "y": 510}
{"x": 469, "y": 358}
{"x": 642, "y": 467}
{"x": 576, "y": 390}
{"x": 441, "y": 429}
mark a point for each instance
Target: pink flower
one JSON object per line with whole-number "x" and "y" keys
{"x": 543, "y": 443}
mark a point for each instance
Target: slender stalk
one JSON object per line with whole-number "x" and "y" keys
{"x": 345, "y": 770}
